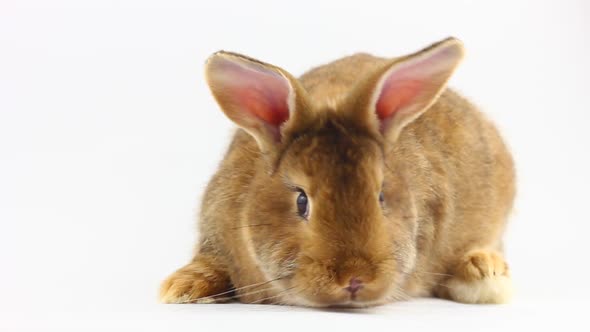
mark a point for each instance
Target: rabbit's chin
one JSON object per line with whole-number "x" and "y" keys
{"x": 373, "y": 296}
{"x": 347, "y": 303}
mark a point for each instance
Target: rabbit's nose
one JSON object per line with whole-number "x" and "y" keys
{"x": 354, "y": 286}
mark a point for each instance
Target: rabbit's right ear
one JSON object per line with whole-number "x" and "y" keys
{"x": 260, "y": 98}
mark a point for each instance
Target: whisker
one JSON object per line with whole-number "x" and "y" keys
{"x": 431, "y": 282}
{"x": 253, "y": 292}
{"x": 434, "y": 283}
{"x": 281, "y": 293}
{"x": 399, "y": 294}
{"x": 278, "y": 301}
{"x": 253, "y": 225}
{"x": 263, "y": 224}
{"x": 232, "y": 297}
{"x": 431, "y": 273}
{"x": 437, "y": 274}
{"x": 232, "y": 290}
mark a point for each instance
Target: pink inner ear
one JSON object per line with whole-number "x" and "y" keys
{"x": 269, "y": 103}
{"x": 411, "y": 84}
{"x": 396, "y": 93}
{"x": 258, "y": 91}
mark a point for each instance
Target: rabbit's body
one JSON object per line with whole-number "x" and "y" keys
{"x": 448, "y": 181}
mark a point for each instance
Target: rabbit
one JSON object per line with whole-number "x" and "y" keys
{"x": 363, "y": 182}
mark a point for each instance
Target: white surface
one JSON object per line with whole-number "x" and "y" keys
{"x": 108, "y": 136}
{"x": 418, "y": 315}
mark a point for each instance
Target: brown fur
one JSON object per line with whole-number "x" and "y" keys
{"x": 448, "y": 183}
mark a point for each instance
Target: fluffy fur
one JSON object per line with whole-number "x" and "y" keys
{"x": 446, "y": 176}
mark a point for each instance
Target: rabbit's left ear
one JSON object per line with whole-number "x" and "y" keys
{"x": 406, "y": 87}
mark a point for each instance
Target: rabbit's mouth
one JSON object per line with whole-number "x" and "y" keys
{"x": 343, "y": 299}
{"x": 352, "y": 290}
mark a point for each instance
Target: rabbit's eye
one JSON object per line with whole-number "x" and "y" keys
{"x": 381, "y": 197}
{"x": 302, "y": 204}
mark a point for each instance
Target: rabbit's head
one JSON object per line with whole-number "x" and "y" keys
{"x": 327, "y": 216}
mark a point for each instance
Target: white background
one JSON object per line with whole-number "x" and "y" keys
{"x": 108, "y": 135}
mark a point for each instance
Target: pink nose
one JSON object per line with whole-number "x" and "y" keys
{"x": 354, "y": 286}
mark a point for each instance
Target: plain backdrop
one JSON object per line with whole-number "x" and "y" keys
{"x": 108, "y": 135}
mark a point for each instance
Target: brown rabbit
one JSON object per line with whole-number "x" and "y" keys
{"x": 363, "y": 182}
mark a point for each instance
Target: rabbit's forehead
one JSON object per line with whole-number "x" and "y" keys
{"x": 336, "y": 160}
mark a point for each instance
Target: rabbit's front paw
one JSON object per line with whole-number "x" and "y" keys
{"x": 482, "y": 276}
{"x": 195, "y": 283}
